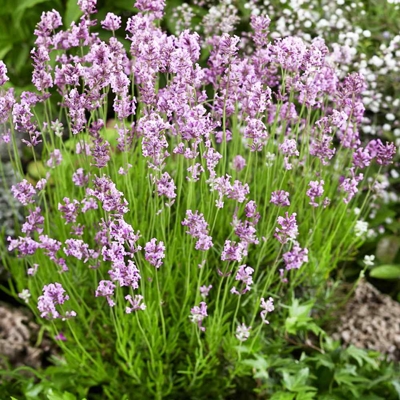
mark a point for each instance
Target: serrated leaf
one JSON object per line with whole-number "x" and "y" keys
{"x": 283, "y": 396}
{"x": 361, "y": 356}
{"x": 386, "y": 272}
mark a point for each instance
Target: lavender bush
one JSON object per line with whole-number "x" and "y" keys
{"x": 189, "y": 213}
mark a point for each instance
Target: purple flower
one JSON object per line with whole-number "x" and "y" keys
{"x": 106, "y": 289}
{"x": 205, "y": 290}
{"x": 256, "y": 131}
{"x": 126, "y": 275}
{"x": 154, "y": 253}
{"x": 79, "y": 178}
{"x": 244, "y": 276}
{"x": 246, "y": 232}
{"x": 61, "y": 337}
{"x": 69, "y": 210}
{"x": 238, "y": 163}
{"x": 267, "y": 306}
{"x": 260, "y": 26}
{"x": 198, "y": 228}
{"x": 233, "y": 251}
{"x": 251, "y": 211}
{"x": 280, "y": 198}
{"x": 362, "y": 158}
{"x": 166, "y": 186}
{"x": 242, "y": 332}
{"x": 3, "y": 73}
{"x": 87, "y": 6}
{"x": 24, "y": 192}
{"x": 349, "y": 185}
{"x": 385, "y": 153}
{"x": 55, "y": 159}
{"x": 79, "y": 249}
{"x": 53, "y": 295}
{"x": 295, "y": 258}
{"x": 110, "y": 197}
{"x": 32, "y": 271}
{"x": 34, "y": 222}
{"x": 316, "y": 190}
{"x": 289, "y": 148}
{"x": 288, "y": 230}
{"x": 135, "y": 302}
{"x": 111, "y": 22}
{"x": 198, "y": 313}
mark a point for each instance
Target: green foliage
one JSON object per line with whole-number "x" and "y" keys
{"x": 386, "y": 272}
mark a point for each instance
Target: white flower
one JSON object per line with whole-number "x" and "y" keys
{"x": 360, "y": 228}
{"x": 25, "y": 295}
{"x": 369, "y": 260}
{"x": 242, "y": 332}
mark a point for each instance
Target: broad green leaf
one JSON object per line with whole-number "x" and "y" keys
{"x": 386, "y": 272}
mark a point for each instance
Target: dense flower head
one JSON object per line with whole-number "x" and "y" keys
{"x": 288, "y": 230}
{"x": 295, "y": 257}
{"x": 106, "y": 289}
{"x": 350, "y": 185}
{"x": 244, "y": 275}
{"x": 111, "y": 22}
{"x": 198, "y": 228}
{"x": 53, "y": 295}
{"x": 34, "y": 222}
{"x": 3, "y": 73}
{"x": 316, "y": 190}
{"x": 154, "y": 253}
{"x": 24, "y": 192}
{"x": 280, "y": 198}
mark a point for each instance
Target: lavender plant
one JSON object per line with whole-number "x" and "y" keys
{"x": 190, "y": 204}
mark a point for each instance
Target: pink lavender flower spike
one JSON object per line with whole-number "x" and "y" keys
{"x": 349, "y": 185}
{"x": 34, "y": 222}
{"x": 316, "y": 190}
{"x": 288, "y": 230}
{"x": 24, "y": 192}
{"x": 111, "y": 22}
{"x": 106, "y": 289}
{"x": 198, "y": 313}
{"x": 244, "y": 275}
{"x": 198, "y": 228}
{"x": 135, "y": 302}
{"x": 3, "y": 73}
{"x": 205, "y": 290}
{"x": 166, "y": 186}
{"x": 238, "y": 163}
{"x": 296, "y": 257}
{"x": 154, "y": 253}
{"x": 79, "y": 178}
{"x": 268, "y": 307}
{"x": 280, "y": 198}
{"x": 55, "y": 159}
{"x": 53, "y": 295}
